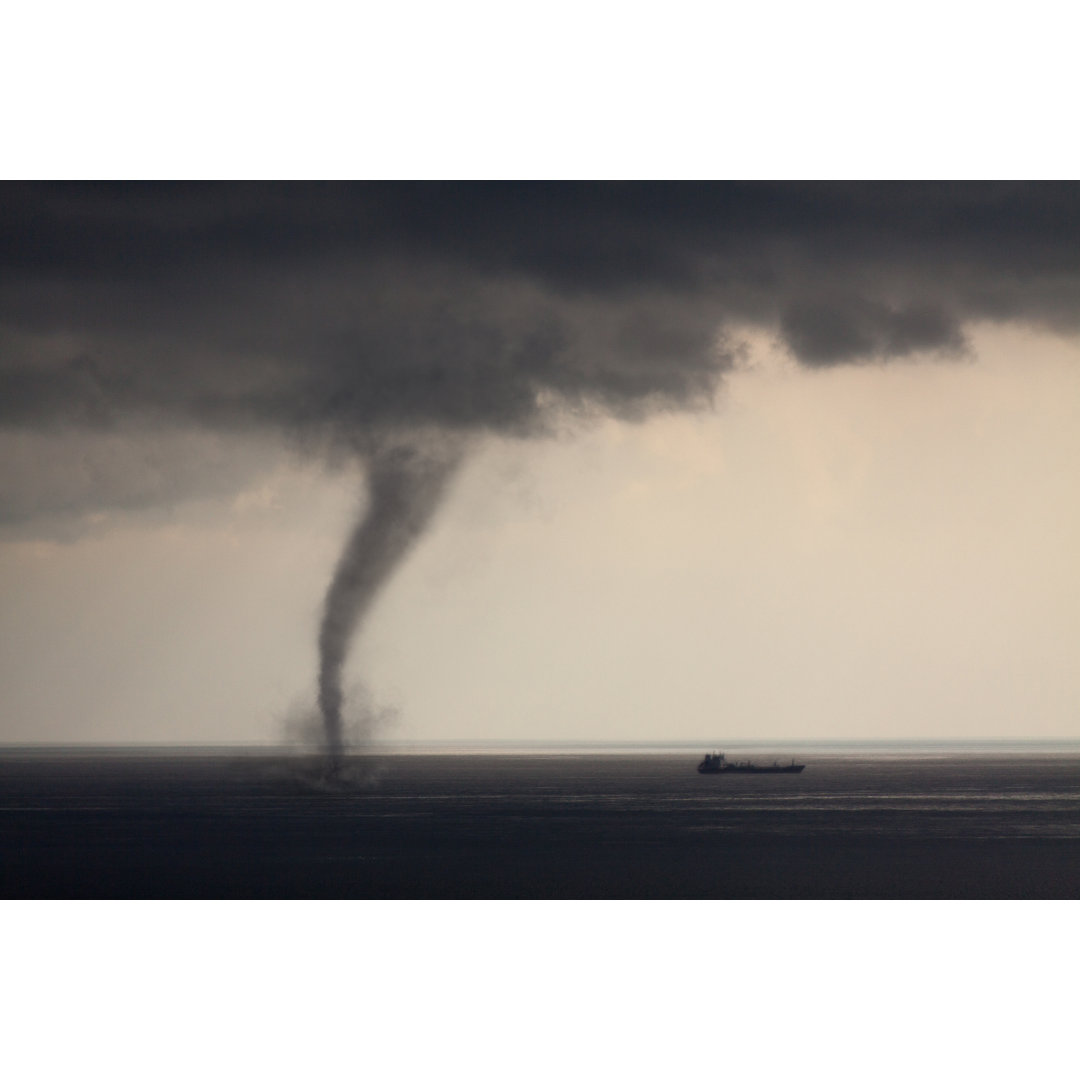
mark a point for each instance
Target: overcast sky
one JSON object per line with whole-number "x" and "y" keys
{"x": 736, "y": 461}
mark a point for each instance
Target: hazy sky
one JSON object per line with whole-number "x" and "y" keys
{"x": 740, "y": 460}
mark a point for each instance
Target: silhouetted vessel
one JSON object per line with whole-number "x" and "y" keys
{"x": 717, "y": 763}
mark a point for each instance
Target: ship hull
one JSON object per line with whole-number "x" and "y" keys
{"x": 751, "y": 769}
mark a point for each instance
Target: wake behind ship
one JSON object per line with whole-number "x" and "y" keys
{"x": 718, "y": 763}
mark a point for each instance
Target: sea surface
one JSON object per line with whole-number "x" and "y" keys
{"x": 895, "y": 822}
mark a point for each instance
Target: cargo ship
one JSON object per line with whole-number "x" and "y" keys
{"x": 718, "y": 763}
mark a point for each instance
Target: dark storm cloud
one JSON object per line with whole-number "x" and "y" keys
{"x": 325, "y": 311}
{"x": 851, "y": 329}
{"x": 52, "y": 479}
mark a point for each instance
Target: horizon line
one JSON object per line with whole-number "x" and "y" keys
{"x": 673, "y": 745}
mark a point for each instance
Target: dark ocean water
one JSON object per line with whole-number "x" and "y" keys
{"x": 472, "y": 825}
